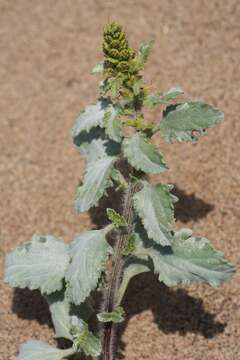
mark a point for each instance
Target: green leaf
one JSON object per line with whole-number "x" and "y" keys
{"x": 95, "y": 183}
{"x": 189, "y": 260}
{"x": 89, "y": 252}
{"x": 116, "y": 316}
{"x": 39, "y": 264}
{"x": 143, "y": 155}
{"x": 84, "y": 340}
{"x": 115, "y": 85}
{"x": 117, "y": 219}
{"x": 154, "y": 205}
{"x": 186, "y": 122}
{"x": 134, "y": 266}
{"x": 112, "y": 124}
{"x": 129, "y": 246}
{"x": 36, "y": 350}
{"x": 98, "y": 68}
{"x": 138, "y": 84}
{"x": 145, "y": 50}
{"x": 91, "y": 117}
{"x": 61, "y": 312}
{"x": 158, "y": 98}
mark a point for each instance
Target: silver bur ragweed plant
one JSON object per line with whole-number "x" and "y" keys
{"x": 114, "y": 138}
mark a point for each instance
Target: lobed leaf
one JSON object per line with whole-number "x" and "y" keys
{"x": 189, "y": 260}
{"x": 39, "y": 264}
{"x": 96, "y": 181}
{"x": 36, "y": 350}
{"x": 143, "y": 155}
{"x": 154, "y": 205}
{"x": 91, "y": 117}
{"x": 186, "y": 122}
{"x": 89, "y": 253}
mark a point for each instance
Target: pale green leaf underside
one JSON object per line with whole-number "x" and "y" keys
{"x": 39, "y": 264}
{"x": 135, "y": 266}
{"x": 98, "y": 68}
{"x": 154, "y": 205}
{"x": 84, "y": 340}
{"x": 116, "y": 316}
{"x": 189, "y": 260}
{"x": 112, "y": 124}
{"x": 39, "y": 350}
{"x": 186, "y": 122}
{"x": 89, "y": 255}
{"x": 95, "y": 183}
{"x": 61, "y": 312}
{"x": 158, "y": 98}
{"x": 143, "y": 155}
{"x": 91, "y": 117}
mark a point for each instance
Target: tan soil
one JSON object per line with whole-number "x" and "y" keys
{"x": 47, "y": 50}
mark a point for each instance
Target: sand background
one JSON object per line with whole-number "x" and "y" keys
{"x": 47, "y": 50}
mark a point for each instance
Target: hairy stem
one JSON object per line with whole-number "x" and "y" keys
{"x": 116, "y": 274}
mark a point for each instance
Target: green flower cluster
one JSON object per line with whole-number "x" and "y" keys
{"x": 117, "y": 53}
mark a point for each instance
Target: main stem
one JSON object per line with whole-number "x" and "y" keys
{"x": 116, "y": 274}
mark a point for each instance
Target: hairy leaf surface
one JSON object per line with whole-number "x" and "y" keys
{"x": 189, "y": 260}
{"x": 186, "y": 122}
{"x": 143, "y": 155}
{"x": 61, "y": 312}
{"x": 91, "y": 117}
{"x": 145, "y": 50}
{"x": 158, "y": 98}
{"x": 154, "y": 205}
{"x": 112, "y": 124}
{"x": 95, "y": 183}
{"x": 89, "y": 252}
{"x": 36, "y": 350}
{"x": 39, "y": 264}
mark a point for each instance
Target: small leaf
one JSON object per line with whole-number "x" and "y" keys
{"x": 156, "y": 99}
{"x": 186, "y": 122}
{"x": 189, "y": 260}
{"x": 84, "y": 340}
{"x": 95, "y": 182}
{"x": 117, "y": 219}
{"x": 145, "y": 50}
{"x": 98, "y": 68}
{"x": 91, "y": 117}
{"x": 36, "y": 350}
{"x": 61, "y": 312}
{"x": 138, "y": 84}
{"x": 89, "y": 253}
{"x": 154, "y": 205}
{"x": 115, "y": 316}
{"x": 39, "y": 264}
{"x": 112, "y": 124}
{"x": 115, "y": 85}
{"x": 143, "y": 155}
{"x": 129, "y": 246}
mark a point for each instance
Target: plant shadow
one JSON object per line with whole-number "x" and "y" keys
{"x": 189, "y": 206}
{"x": 174, "y": 311}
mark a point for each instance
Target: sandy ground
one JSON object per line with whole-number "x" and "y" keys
{"x": 47, "y": 50}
